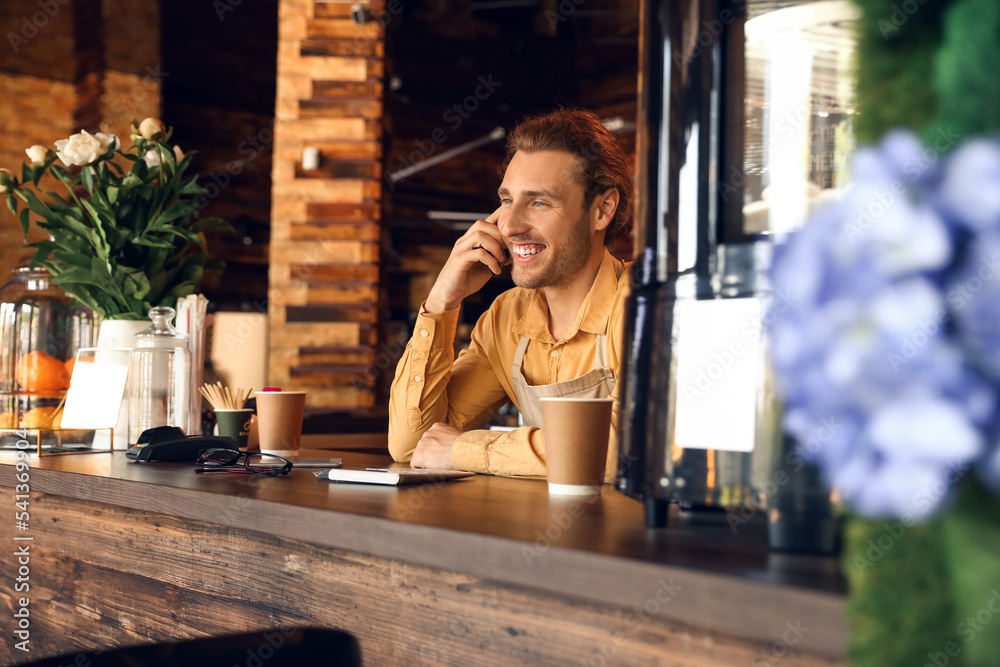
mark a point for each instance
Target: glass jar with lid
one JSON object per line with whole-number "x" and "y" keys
{"x": 159, "y": 377}
{"x": 41, "y": 329}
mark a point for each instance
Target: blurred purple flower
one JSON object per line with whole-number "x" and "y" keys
{"x": 889, "y": 358}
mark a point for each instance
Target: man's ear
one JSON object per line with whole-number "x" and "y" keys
{"x": 604, "y": 209}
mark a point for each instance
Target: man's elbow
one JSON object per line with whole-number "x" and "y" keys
{"x": 400, "y": 453}
{"x": 401, "y": 443}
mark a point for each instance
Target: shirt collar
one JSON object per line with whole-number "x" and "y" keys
{"x": 594, "y": 312}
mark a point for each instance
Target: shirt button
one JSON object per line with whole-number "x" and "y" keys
{"x": 416, "y": 378}
{"x": 423, "y": 333}
{"x": 555, "y": 353}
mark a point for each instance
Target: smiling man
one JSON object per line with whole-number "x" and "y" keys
{"x": 566, "y": 194}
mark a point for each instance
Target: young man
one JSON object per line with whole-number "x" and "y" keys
{"x": 566, "y": 193}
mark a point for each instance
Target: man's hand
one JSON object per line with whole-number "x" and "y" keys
{"x": 434, "y": 449}
{"x": 476, "y": 257}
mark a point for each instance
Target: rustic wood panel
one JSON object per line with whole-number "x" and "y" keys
{"x": 334, "y": 312}
{"x": 369, "y": 89}
{"x": 316, "y": 334}
{"x": 351, "y": 48}
{"x": 348, "y": 150}
{"x": 331, "y": 376}
{"x": 342, "y": 169}
{"x": 344, "y": 29}
{"x": 341, "y": 9}
{"x": 324, "y": 252}
{"x": 328, "y": 107}
{"x": 335, "y": 231}
{"x": 342, "y": 356}
{"x": 342, "y": 212}
{"x": 406, "y": 571}
{"x": 300, "y": 294}
{"x": 365, "y": 273}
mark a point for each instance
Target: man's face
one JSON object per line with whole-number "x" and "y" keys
{"x": 548, "y": 233}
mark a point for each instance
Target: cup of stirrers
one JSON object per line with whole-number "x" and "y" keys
{"x": 224, "y": 398}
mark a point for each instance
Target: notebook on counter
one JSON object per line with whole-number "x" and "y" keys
{"x": 392, "y": 476}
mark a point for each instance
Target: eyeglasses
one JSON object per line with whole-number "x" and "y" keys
{"x": 220, "y": 459}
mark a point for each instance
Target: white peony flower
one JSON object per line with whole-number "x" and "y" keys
{"x": 36, "y": 153}
{"x": 151, "y": 158}
{"x": 107, "y": 140}
{"x": 178, "y": 153}
{"x": 150, "y": 127}
{"x": 84, "y": 148}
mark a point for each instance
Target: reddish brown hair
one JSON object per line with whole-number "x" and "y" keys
{"x": 598, "y": 153}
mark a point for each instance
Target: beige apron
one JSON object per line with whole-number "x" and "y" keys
{"x": 598, "y": 383}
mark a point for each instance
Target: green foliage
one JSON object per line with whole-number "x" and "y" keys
{"x": 971, "y": 540}
{"x": 900, "y": 606}
{"x": 895, "y": 58}
{"x": 929, "y": 65}
{"x": 120, "y": 242}
{"x": 966, "y": 67}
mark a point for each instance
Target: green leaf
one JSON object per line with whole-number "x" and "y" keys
{"x": 183, "y": 233}
{"x": 69, "y": 257}
{"x": 12, "y": 204}
{"x": 190, "y": 186}
{"x": 176, "y": 211}
{"x": 38, "y": 207}
{"x": 186, "y": 162}
{"x": 87, "y": 179}
{"x": 25, "y": 172}
{"x": 152, "y": 242}
{"x": 113, "y": 194}
{"x": 79, "y": 275}
{"x": 37, "y": 172}
{"x": 42, "y": 252}
{"x": 25, "y": 223}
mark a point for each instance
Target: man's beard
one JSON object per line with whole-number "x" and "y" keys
{"x": 564, "y": 264}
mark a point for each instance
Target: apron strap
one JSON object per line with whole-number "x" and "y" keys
{"x": 517, "y": 364}
{"x": 600, "y": 353}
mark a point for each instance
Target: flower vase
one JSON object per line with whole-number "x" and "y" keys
{"x": 971, "y": 538}
{"x": 119, "y": 335}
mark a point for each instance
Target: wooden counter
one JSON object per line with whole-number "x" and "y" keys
{"x": 479, "y": 571}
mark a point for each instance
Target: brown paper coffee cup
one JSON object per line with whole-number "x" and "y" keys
{"x": 576, "y": 443}
{"x": 279, "y": 418}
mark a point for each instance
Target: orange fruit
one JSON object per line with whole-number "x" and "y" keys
{"x": 41, "y": 418}
{"x": 69, "y": 366}
{"x": 38, "y": 371}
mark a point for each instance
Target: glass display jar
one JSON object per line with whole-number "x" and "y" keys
{"x": 41, "y": 329}
{"x": 159, "y": 385}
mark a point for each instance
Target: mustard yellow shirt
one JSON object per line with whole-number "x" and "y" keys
{"x": 432, "y": 386}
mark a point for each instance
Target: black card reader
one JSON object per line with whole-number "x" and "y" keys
{"x": 168, "y": 443}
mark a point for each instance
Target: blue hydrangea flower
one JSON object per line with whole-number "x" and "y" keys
{"x": 886, "y": 327}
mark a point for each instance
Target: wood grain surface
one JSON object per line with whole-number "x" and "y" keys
{"x": 568, "y": 573}
{"x": 106, "y": 576}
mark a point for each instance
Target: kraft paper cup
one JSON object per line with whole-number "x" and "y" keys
{"x": 576, "y": 444}
{"x": 279, "y": 418}
{"x": 234, "y": 424}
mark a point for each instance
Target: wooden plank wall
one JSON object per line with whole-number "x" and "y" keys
{"x": 325, "y": 222}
